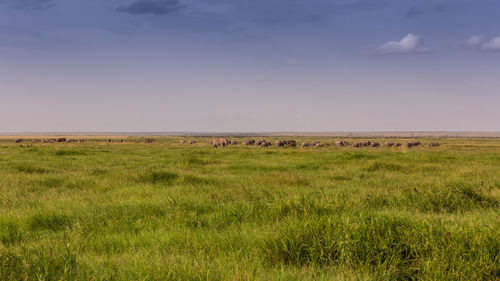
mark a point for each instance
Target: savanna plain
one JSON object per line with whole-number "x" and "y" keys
{"x": 169, "y": 211}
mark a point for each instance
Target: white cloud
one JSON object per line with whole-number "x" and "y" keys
{"x": 492, "y": 45}
{"x": 410, "y": 44}
{"x": 475, "y": 40}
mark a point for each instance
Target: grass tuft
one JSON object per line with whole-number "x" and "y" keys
{"x": 49, "y": 221}
{"x": 44, "y": 263}
{"x": 69, "y": 152}
{"x": 159, "y": 177}
{"x": 30, "y": 169}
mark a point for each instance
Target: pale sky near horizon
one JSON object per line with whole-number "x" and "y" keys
{"x": 249, "y": 65}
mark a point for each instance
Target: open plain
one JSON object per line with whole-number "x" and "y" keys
{"x": 100, "y": 210}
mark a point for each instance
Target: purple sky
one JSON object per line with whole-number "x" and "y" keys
{"x": 249, "y": 65}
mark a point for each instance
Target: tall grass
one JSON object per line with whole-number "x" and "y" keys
{"x": 131, "y": 211}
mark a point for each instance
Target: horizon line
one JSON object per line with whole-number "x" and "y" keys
{"x": 430, "y": 133}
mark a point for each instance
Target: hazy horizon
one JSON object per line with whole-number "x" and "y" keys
{"x": 375, "y": 134}
{"x": 249, "y": 66}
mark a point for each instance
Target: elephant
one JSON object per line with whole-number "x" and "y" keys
{"x": 279, "y": 143}
{"x": 317, "y": 144}
{"x": 411, "y": 144}
{"x": 265, "y": 143}
{"x": 358, "y": 144}
{"x": 219, "y": 142}
{"x": 249, "y": 142}
{"x": 434, "y": 144}
{"x": 341, "y": 143}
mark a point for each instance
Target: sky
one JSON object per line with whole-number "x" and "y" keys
{"x": 249, "y": 65}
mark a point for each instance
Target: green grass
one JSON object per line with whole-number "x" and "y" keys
{"x": 164, "y": 211}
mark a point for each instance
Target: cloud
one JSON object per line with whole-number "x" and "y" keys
{"x": 410, "y": 44}
{"x": 244, "y": 19}
{"x": 492, "y": 45}
{"x": 27, "y": 4}
{"x": 475, "y": 40}
{"x": 483, "y": 43}
{"x": 152, "y": 7}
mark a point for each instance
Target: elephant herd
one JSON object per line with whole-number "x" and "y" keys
{"x": 314, "y": 144}
{"x": 292, "y": 143}
{"x": 285, "y": 143}
{"x": 409, "y": 144}
{"x": 224, "y": 142}
{"x": 52, "y": 140}
{"x": 366, "y": 144}
{"x": 60, "y": 140}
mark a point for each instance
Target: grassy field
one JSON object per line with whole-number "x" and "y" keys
{"x": 165, "y": 211}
